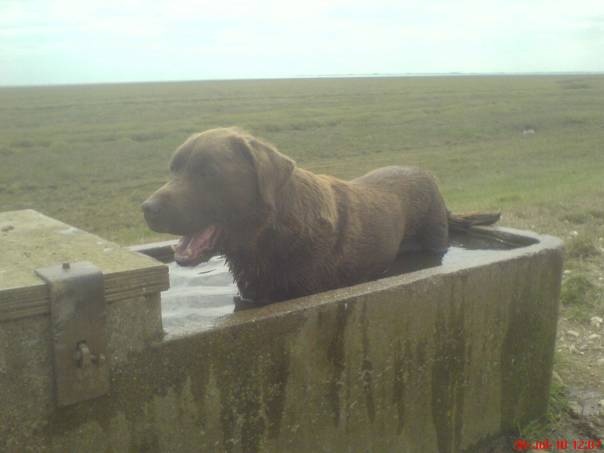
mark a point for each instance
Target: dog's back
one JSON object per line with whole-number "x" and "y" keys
{"x": 331, "y": 233}
{"x": 424, "y": 222}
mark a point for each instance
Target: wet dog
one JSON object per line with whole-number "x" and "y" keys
{"x": 287, "y": 232}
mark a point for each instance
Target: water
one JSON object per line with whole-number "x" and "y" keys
{"x": 200, "y": 295}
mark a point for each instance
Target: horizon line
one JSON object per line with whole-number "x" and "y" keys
{"x": 313, "y": 76}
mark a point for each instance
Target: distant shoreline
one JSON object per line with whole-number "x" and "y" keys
{"x": 321, "y": 76}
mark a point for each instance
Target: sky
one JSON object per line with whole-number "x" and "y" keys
{"x": 89, "y": 41}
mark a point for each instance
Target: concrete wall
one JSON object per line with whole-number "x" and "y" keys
{"x": 434, "y": 361}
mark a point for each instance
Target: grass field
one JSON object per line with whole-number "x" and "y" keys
{"x": 89, "y": 155}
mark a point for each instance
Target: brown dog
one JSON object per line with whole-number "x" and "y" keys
{"x": 285, "y": 231}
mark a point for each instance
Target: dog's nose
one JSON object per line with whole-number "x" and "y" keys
{"x": 151, "y": 208}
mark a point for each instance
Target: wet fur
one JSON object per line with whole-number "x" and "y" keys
{"x": 288, "y": 232}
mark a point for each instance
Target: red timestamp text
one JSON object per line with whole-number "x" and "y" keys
{"x": 558, "y": 444}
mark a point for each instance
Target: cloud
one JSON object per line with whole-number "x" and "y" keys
{"x": 66, "y": 40}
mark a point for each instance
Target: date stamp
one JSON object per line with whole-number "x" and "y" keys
{"x": 558, "y": 445}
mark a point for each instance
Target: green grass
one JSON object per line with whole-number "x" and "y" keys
{"x": 576, "y": 290}
{"x": 582, "y": 247}
{"x": 89, "y": 155}
{"x": 552, "y": 421}
{"x": 580, "y": 297}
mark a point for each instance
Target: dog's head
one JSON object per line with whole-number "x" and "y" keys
{"x": 224, "y": 182}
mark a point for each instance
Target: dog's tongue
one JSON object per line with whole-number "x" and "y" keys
{"x": 193, "y": 249}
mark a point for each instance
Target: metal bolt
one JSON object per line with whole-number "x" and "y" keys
{"x": 82, "y": 355}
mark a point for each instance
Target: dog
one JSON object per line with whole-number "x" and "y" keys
{"x": 286, "y": 232}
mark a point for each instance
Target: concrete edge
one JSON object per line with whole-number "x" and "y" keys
{"x": 542, "y": 244}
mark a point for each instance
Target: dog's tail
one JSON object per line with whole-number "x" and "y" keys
{"x": 463, "y": 222}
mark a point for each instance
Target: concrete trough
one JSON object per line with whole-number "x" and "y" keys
{"x": 441, "y": 358}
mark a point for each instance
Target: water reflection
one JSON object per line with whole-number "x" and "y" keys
{"x": 198, "y": 294}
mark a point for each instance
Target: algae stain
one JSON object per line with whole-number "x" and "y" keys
{"x": 275, "y": 389}
{"x": 254, "y": 425}
{"x": 525, "y": 376}
{"x": 398, "y": 385}
{"x": 448, "y": 371}
{"x": 228, "y": 420}
{"x": 241, "y": 411}
{"x": 336, "y": 355}
{"x": 252, "y": 385}
{"x": 367, "y": 366}
{"x": 149, "y": 442}
{"x": 403, "y": 359}
{"x": 240, "y": 405}
{"x": 421, "y": 354}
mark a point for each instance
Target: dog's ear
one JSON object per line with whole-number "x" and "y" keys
{"x": 273, "y": 169}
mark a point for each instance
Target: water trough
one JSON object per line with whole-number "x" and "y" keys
{"x": 439, "y": 358}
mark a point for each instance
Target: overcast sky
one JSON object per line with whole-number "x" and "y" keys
{"x": 84, "y": 41}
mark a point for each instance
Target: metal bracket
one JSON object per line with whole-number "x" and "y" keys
{"x": 77, "y": 312}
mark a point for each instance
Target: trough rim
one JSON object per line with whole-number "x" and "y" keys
{"x": 536, "y": 244}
